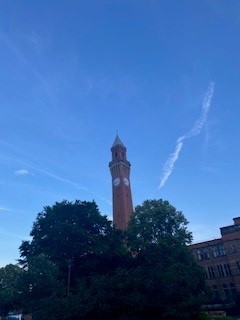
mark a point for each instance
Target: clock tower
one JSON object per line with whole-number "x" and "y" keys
{"x": 121, "y": 188}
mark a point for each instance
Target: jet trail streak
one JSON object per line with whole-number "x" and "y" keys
{"x": 194, "y": 131}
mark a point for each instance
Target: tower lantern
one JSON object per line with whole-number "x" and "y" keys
{"x": 121, "y": 188}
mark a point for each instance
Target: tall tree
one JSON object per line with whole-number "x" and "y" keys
{"x": 76, "y": 231}
{"x": 156, "y": 222}
{"x": 170, "y": 278}
{"x": 150, "y": 273}
{"x": 66, "y": 232}
{"x": 39, "y": 282}
{"x": 9, "y": 293}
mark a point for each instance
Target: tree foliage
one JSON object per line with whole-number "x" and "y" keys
{"x": 157, "y": 222}
{"x": 38, "y": 282}
{"x": 75, "y": 231}
{"x": 144, "y": 272}
{"x": 171, "y": 280}
{"x": 9, "y": 293}
{"x": 75, "y": 228}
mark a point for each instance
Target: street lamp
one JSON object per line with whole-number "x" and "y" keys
{"x": 70, "y": 264}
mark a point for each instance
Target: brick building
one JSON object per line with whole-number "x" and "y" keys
{"x": 221, "y": 260}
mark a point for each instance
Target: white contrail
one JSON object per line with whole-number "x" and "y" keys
{"x": 54, "y": 176}
{"x": 4, "y": 209}
{"x": 196, "y": 129}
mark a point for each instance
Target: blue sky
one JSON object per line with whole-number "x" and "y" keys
{"x": 73, "y": 73}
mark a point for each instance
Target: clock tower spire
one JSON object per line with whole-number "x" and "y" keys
{"x": 121, "y": 188}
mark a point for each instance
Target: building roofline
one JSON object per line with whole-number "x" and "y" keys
{"x": 206, "y": 242}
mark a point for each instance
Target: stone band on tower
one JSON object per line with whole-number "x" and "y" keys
{"x": 121, "y": 188}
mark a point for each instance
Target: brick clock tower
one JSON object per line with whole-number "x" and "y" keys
{"x": 121, "y": 188}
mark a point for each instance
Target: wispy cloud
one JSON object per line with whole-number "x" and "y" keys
{"x": 35, "y": 41}
{"x": 13, "y": 235}
{"x": 40, "y": 170}
{"x": 25, "y": 61}
{"x": 74, "y": 184}
{"x": 194, "y": 131}
{"x": 21, "y": 172}
{"x": 56, "y": 177}
{"x": 19, "y": 55}
{"x": 4, "y": 209}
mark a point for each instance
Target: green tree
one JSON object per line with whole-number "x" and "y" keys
{"x": 156, "y": 222}
{"x": 39, "y": 281}
{"x": 9, "y": 292}
{"x": 162, "y": 280}
{"x": 142, "y": 273}
{"x": 75, "y": 230}
{"x": 61, "y": 232}
{"x": 171, "y": 279}
{"x": 64, "y": 229}
{"x": 142, "y": 292}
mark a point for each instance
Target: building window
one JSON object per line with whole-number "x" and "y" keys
{"x": 233, "y": 291}
{"x": 203, "y": 254}
{"x": 227, "y": 270}
{"x": 234, "y": 248}
{"x": 199, "y": 255}
{"x": 215, "y": 252}
{"x": 210, "y": 273}
{"x": 206, "y": 254}
{"x": 224, "y": 270}
{"x": 222, "y": 250}
{"x": 226, "y": 292}
{"x": 220, "y": 271}
{"x": 216, "y": 296}
{"x": 219, "y": 251}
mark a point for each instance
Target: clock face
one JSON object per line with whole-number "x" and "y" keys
{"x": 116, "y": 182}
{"x": 126, "y": 181}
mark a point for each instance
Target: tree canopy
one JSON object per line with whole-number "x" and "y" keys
{"x": 9, "y": 293}
{"x": 67, "y": 230}
{"x": 73, "y": 230}
{"x": 143, "y": 272}
{"x": 156, "y": 222}
{"x": 170, "y": 278}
